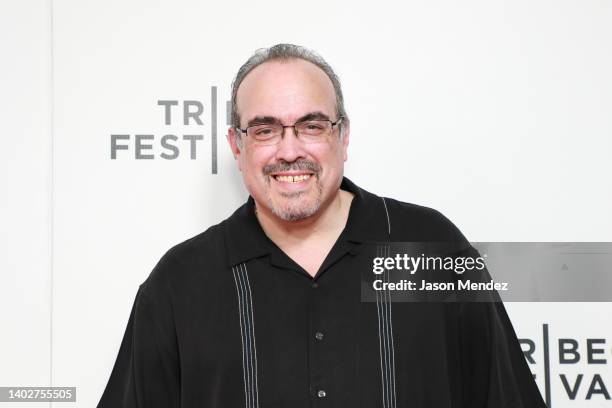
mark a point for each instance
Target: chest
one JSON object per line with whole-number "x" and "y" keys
{"x": 309, "y": 254}
{"x": 310, "y": 258}
{"x": 270, "y": 328}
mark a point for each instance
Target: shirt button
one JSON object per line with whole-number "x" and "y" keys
{"x": 321, "y": 394}
{"x": 315, "y": 285}
{"x": 319, "y": 336}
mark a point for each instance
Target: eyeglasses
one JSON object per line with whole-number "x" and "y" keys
{"x": 308, "y": 131}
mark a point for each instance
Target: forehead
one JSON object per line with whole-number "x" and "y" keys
{"x": 285, "y": 90}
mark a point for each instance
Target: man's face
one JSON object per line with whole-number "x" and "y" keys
{"x": 291, "y": 179}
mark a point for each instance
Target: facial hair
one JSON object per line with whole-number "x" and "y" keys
{"x": 294, "y": 209}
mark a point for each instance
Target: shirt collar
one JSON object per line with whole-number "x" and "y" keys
{"x": 245, "y": 238}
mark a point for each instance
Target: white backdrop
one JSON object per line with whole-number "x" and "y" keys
{"x": 496, "y": 113}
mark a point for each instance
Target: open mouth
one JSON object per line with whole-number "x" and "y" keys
{"x": 288, "y": 178}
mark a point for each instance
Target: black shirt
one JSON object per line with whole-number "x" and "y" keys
{"x": 227, "y": 319}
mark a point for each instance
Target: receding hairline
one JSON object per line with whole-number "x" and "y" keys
{"x": 286, "y": 53}
{"x": 287, "y": 60}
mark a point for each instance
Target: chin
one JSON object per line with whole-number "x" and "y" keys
{"x": 295, "y": 214}
{"x": 295, "y": 211}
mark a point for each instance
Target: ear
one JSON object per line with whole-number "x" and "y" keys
{"x": 232, "y": 139}
{"x": 346, "y": 131}
{"x": 235, "y": 143}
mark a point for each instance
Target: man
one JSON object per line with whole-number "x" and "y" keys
{"x": 265, "y": 308}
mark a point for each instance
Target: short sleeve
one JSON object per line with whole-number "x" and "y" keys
{"x": 495, "y": 372}
{"x": 146, "y": 371}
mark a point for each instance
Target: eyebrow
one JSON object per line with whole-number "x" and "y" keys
{"x": 261, "y": 120}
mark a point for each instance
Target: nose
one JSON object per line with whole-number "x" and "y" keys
{"x": 289, "y": 148}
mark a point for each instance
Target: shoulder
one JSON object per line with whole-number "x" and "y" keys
{"x": 413, "y": 222}
{"x": 188, "y": 262}
{"x": 406, "y": 222}
{"x": 200, "y": 246}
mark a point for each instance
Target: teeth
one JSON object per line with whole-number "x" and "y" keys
{"x": 293, "y": 179}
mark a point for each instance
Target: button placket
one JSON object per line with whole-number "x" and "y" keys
{"x": 316, "y": 335}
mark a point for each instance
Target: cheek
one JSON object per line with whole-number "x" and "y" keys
{"x": 331, "y": 158}
{"x": 252, "y": 164}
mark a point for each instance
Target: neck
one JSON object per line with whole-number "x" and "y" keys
{"x": 330, "y": 218}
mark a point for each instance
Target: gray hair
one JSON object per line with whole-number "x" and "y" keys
{"x": 286, "y": 52}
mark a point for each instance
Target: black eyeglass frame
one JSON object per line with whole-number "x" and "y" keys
{"x": 294, "y": 125}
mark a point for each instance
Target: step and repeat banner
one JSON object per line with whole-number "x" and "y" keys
{"x": 496, "y": 113}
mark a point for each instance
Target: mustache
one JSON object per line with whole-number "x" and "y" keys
{"x": 293, "y": 166}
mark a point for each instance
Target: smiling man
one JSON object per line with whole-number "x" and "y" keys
{"x": 265, "y": 308}
{"x": 293, "y": 172}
